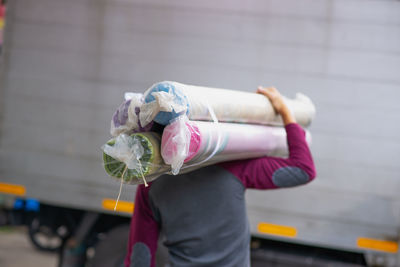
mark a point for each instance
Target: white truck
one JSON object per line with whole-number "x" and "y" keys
{"x": 66, "y": 64}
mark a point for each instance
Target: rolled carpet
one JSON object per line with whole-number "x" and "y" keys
{"x": 165, "y": 101}
{"x": 133, "y": 157}
{"x": 200, "y": 143}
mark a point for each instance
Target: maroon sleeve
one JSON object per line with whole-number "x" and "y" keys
{"x": 144, "y": 230}
{"x": 272, "y": 172}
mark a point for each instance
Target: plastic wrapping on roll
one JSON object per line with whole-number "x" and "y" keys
{"x": 125, "y": 119}
{"x": 134, "y": 157}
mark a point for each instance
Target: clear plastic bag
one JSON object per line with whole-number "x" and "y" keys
{"x": 163, "y": 102}
{"x": 126, "y": 118}
{"x": 176, "y": 139}
{"x": 134, "y": 158}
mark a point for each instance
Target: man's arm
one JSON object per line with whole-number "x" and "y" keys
{"x": 271, "y": 172}
{"x": 143, "y": 236}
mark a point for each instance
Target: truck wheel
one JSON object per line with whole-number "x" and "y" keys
{"x": 110, "y": 251}
{"x": 44, "y": 237}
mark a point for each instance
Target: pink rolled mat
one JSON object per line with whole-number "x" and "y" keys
{"x": 217, "y": 142}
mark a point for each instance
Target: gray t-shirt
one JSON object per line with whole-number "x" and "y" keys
{"x": 203, "y": 217}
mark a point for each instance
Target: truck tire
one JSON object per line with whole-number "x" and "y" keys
{"x": 45, "y": 237}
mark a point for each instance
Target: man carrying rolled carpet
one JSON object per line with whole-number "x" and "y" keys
{"x": 203, "y": 213}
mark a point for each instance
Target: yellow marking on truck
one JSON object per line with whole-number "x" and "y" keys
{"x": 122, "y": 206}
{"x": 12, "y": 189}
{"x": 374, "y": 244}
{"x": 275, "y": 229}
{"x": 1, "y": 23}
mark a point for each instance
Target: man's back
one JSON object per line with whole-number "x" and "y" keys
{"x": 203, "y": 217}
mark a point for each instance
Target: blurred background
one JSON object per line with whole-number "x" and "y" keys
{"x": 64, "y": 68}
